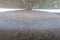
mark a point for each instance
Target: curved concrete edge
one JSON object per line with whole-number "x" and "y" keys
{"x": 48, "y": 10}
{"x": 8, "y": 9}
{"x": 45, "y": 10}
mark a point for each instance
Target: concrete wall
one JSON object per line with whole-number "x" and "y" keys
{"x": 10, "y": 3}
{"x": 19, "y": 4}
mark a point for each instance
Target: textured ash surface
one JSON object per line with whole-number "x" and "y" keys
{"x": 27, "y": 21}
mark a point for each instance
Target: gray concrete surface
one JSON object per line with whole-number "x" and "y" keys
{"x": 29, "y": 20}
